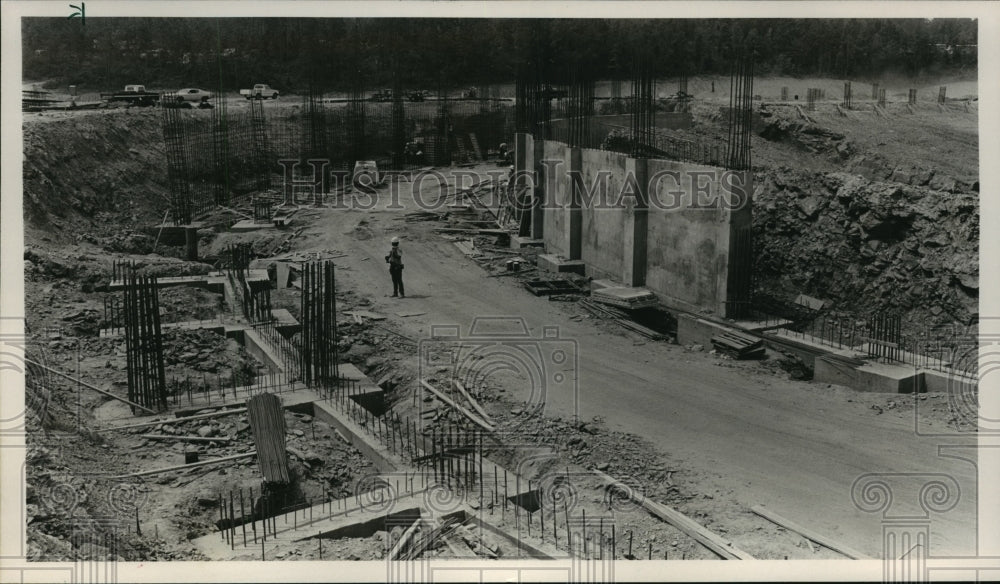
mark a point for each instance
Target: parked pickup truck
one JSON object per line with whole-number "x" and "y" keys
{"x": 260, "y": 91}
{"x": 133, "y": 95}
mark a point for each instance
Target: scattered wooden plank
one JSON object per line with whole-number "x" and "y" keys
{"x": 89, "y": 386}
{"x": 441, "y": 396}
{"x": 808, "y": 533}
{"x": 404, "y": 540}
{"x": 366, "y": 314}
{"x": 402, "y": 336}
{"x": 183, "y": 438}
{"x": 146, "y": 473}
{"x": 713, "y": 541}
{"x": 405, "y": 314}
{"x": 472, "y": 401}
{"x": 175, "y": 420}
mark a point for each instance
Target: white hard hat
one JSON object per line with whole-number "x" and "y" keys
{"x": 394, "y": 240}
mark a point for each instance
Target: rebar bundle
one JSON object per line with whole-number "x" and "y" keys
{"x": 267, "y": 422}
{"x": 261, "y": 148}
{"x": 355, "y": 127}
{"x": 617, "y": 105}
{"x": 740, "y": 112}
{"x": 812, "y": 94}
{"x": 143, "y": 345}
{"x": 398, "y": 123}
{"x": 314, "y": 139}
{"x": 533, "y": 101}
{"x": 319, "y": 353}
{"x": 439, "y": 146}
{"x": 884, "y": 336}
{"x": 643, "y": 112}
{"x": 114, "y": 315}
{"x": 220, "y": 154}
{"x": 177, "y": 172}
{"x": 255, "y": 301}
{"x": 580, "y": 108}
{"x": 262, "y": 211}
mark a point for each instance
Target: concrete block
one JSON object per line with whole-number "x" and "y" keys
{"x": 600, "y": 284}
{"x": 557, "y": 264}
{"x": 518, "y": 242}
{"x": 938, "y": 382}
{"x": 698, "y": 331}
{"x": 884, "y": 378}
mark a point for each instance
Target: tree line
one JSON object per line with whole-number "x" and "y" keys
{"x": 331, "y": 54}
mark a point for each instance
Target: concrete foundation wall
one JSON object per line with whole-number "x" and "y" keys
{"x": 555, "y": 182}
{"x": 681, "y": 245}
{"x": 688, "y": 236}
{"x": 603, "y": 219}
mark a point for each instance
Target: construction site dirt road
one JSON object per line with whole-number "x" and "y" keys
{"x": 743, "y": 434}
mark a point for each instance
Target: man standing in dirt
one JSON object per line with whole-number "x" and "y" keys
{"x": 395, "y": 261}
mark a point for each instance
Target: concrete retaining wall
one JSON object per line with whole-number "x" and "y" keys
{"x": 673, "y": 227}
{"x": 555, "y": 182}
{"x": 602, "y": 217}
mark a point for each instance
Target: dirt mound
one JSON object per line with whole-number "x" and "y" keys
{"x": 101, "y": 172}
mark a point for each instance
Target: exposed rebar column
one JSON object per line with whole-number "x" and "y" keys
{"x": 616, "y": 96}
{"x": 884, "y": 336}
{"x": 812, "y": 94}
{"x": 912, "y": 97}
{"x": 143, "y": 345}
{"x": 881, "y": 98}
{"x": 261, "y": 211}
{"x": 440, "y": 153}
{"x": 642, "y": 106}
{"x": 398, "y": 125}
{"x": 580, "y": 108}
{"x": 740, "y": 112}
{"x": 784, "y": 94}
{"x": 875, "y": 91}
{"x": 848, "y": 102}
{"x": 355, "y": 126}
{"x": 319, "y": 353}
{"x": 942, "y": 93}
{"x": 261, "y": 149}
{"x": 177, "y": 171}
{"x": 220, "y": 154}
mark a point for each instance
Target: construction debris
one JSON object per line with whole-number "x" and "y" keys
{"x": 625, "y": 297}
{"x": 267, "y": 421}
{"x": 739, "y": 345}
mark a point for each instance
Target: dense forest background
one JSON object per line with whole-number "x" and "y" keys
{"x": 337, "y": 54}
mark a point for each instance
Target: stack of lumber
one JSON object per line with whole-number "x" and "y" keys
{"x": 621, "y": 319}
{"x": 625, "y": 297}
{"x": 739, "y": 345}
{"x": 267, "y": 422}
